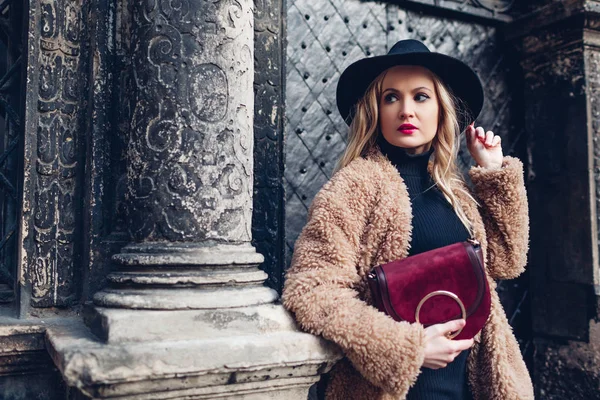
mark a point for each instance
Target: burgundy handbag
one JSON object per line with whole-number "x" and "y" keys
{"x": 435, "y": 287}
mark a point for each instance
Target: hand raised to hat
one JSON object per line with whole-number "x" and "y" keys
{"x": 485, "y": 147}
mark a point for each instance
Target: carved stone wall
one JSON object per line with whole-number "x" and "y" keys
{"x": 268, "y": 235}
{"x": 592, "y": 65}
{"x": 326, "y": 36}
{"x": 54, "y": 155}
{"x": 99, "y": 241}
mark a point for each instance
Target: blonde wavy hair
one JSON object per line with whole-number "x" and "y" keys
{"x": 364, "y": 131}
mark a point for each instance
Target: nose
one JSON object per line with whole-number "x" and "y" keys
{"x": 406, "y": 110}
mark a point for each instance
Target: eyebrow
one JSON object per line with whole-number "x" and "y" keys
{"x": 414, "y": 90}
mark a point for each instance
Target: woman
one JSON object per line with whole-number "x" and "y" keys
{"x": 388, "y": 201}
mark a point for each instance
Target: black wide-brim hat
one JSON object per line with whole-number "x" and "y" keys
{"x": 458, "y": 77}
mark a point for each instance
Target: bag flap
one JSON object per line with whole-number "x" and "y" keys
{"x": 457, "y": 268}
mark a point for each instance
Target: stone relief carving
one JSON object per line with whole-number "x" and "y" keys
{"x": 269, "y": 58}
{"x": 190, "y": 144}
{"x": 592, "y": 60}
{"x": 57, "y": 148}
{"x": 209, "y": 93}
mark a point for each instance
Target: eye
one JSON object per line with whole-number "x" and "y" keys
{"x": 421, "y": 97}
{"x": 390, "y": 98}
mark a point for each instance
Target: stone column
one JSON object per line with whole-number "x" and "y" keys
{"x": 190, "y": 160}
{"x": 186, "y": 310}
{"x": 559, "y": 46}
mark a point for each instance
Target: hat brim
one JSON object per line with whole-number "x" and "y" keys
{"x": 458, "y": 77}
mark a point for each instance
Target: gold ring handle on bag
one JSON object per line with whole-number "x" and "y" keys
{"x": 453, "y": 297}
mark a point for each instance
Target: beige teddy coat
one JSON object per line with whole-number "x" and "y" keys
{"x": 362, "y": 218}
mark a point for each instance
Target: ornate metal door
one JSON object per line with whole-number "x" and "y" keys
{"x": 13, "y": 58}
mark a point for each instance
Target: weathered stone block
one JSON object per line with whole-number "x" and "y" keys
{"x": 251, "y": 365}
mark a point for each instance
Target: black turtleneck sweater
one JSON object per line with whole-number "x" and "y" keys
{"x": 434, "y": 224}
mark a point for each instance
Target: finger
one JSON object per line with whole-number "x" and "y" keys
{"x": 480, "y": 136}
{"x": 433, "y": 331}
{"x": 452, "y": 326}
{"x": 496, "y": 141}
{"x": 439, "y": 364}
{"x": 460, "y": 345}
{"x": 489, "y": 137}
{"x": 480, "y": 132}
{"x": 469, "y": 133}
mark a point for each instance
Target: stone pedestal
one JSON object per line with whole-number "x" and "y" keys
{"x": 185, "y": 313}
{"x": 264, "y": 362}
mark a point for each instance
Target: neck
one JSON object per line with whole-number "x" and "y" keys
{"x": 418, "y": 150}
{"x": 406, "y": 162}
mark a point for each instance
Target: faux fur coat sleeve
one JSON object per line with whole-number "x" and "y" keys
{"x": 320, "y": 286}
{"x": 505, "y": 216}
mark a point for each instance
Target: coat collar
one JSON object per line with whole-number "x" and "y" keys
{"x": 396, "y": 193}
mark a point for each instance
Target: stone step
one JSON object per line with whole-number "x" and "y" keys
{"x": 184, "y": 298}
{"x": 188, "y": 254}
{"x": 121, "y": 325}
{"x": 202, "y": 277}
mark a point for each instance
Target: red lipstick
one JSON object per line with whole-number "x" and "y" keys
{"x": 407, "y": 129}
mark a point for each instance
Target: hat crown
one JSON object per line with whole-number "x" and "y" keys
{"x": 408, "y": 46}
{"x": 458, "y": 77}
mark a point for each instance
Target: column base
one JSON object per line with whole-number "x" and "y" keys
{"x": 183, "y": 298}
{"x": 206, "y": 254}
{"x": 275, "y": 365}
{"x": 183, "y": 321}
{"x": 284, "y": 389}
{"x": 183, "y": 276}
{"x": 120, "y": 325}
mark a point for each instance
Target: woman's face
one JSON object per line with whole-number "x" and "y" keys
{"x": 409, "y": 109}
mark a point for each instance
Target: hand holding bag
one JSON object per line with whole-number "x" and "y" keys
{"x": 435, "y": 287}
